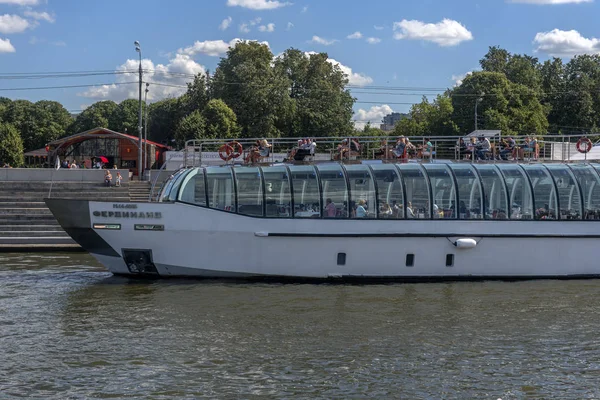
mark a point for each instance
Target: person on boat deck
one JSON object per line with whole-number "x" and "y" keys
{"x": 531, "y": 146}
{"x": 400, "y": 150}
{"x": 426, "y": 149}
{"x": 361, "y": 212}
{"x": 509, "y": 148}
{"x": 330, "y": 209}
{"x": 107, "y": 178}
{"x": 262, "y": 149}
{"x": 483, "y": 148}
{"x": 462, "y": 149}
{"x": 384, "y": 150}
{"x": 396, "y": 210}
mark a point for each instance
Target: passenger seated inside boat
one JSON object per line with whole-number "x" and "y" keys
{"x": 385, "y": 211}
{"x": 361, "y": 211}
{"x": 330, "y": 209}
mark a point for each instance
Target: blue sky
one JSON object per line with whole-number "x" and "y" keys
{"x": 383, "y": 44}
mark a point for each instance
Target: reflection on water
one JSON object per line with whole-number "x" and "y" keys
{"x": 70, "y": 330}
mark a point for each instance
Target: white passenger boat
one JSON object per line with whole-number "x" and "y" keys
{"x": 363, "y": 221}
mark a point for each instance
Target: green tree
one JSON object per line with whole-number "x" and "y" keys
{"x": 163, "y": 118}
{"x": 553, "y": 87}
{"x": 125, "y": 117}
{"x": 247, "y": 83}
{"x": 321, "y": 104}
{"x": 50, "y": 121}
{"x": 220, "y": 120}
{"x": 190, "y": 127}
{"x": 495, "y": 60}
{"x": 513, "y": 108}
{"x": 197, "y": 95}
{"x": 11, "y": 146}
{"x": 429, "y": 119}
{"x": 95, "y": 116}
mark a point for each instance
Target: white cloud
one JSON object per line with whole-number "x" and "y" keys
{"x": 355, "y": 35}
{"x": 225, "y": 23}
{"x": 40, "y": 16}
{"x": 258, "y": 4}
{"x": 458, "y": 79}
{"x": 304, "y": 9}
{"x": 378, "y": 28}
{"x": 267, "y": 28}
{"x": 373, "y": 40}
{"x": 354, "y": 78}
{"x": 6, "y": 46}
{"x": 244, "y": 28}
{"x": 320, "y": 40}
{"x": 374, "y": 115}
{"x": 445, "y": 33}
{"x": 13, "y": 24}
{"x": 176, "y": 74}
{"x": 549, "y": 1}
{"x": 20, "y": 2}
{"x": 212, "y": 48}
{"x": 255, "y": 21}
{"x": 58, "y": 43}
{"x": 289, "y": 26}
{"x": 565, "y": 43}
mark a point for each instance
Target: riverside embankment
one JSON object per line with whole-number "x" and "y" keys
{"x": 26, "y": 224}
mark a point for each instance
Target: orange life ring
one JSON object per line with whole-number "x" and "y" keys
{"x": 226, "y": 152}
{"x": 584, "y": 145}
{"x": 236, "y": 149}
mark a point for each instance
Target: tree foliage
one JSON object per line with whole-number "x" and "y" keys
{"x": 98, "y": 115}
{"x": 429, "y": 119}
{"x": 11, "y": 146}
{"x": 220, "y": 120}
{"x": 190, "y": 127}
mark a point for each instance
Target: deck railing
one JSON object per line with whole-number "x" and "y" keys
{"x": 561, "y": 148}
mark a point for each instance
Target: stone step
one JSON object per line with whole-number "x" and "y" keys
{"x": 28, "y": 228}
{"x": 10, "y": 221}
{"x": 23, "y": 204}
{"x": 37, "y": 218}
{"x": 24, "y": 240}
{"x": 53, "y": 234}
{"x": 84, "y": 196}
{"x": 25, "y": 211}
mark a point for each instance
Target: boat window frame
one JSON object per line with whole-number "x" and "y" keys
{"x": 577, "y": 185}
{"x": 526, "y": 183}
{"x": 188, "y": 177}
{"x": 394, "y": 168}
{"x": 477, "y": 177}
{"x": 366, "y": 168}
{"x": 455, "y": 187}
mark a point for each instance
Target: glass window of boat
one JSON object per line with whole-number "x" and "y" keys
{"x": 307, "y": 199}
{"x": 249, "y": 191}
{"x": 170, "y": 184}
{"x": 569, "y": 198}
{"x": 362, "y": 189}
{"x": 494, "y": 192}
{"x": 334, "y": 187}
{"x": 193, "y": 189}
{"x": 389, "y": 191}
{"x": 278, "y": 192}
{"x": 219, "y": 188}
{"x": 589, "y": 181}
{"x": 443, "y": 190}
{"x": 469, "y": 191}
{"x": 544, "y": 192}
{"x": 417, "y": 191}
{"x": 519, "y": 191}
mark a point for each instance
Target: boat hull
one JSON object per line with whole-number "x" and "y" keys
{"x": 180, "y": 240}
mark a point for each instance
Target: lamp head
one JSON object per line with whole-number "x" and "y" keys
{"x": 138, "y": 49}
{"x": 136, "y": 43}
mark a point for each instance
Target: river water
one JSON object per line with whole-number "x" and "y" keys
{"x": 68, "y": 329}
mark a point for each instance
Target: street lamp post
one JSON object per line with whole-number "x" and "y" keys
{"x": 146, "y": 126}
{"x": 138, "y": 48}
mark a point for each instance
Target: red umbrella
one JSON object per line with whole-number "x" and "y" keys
{"x": 103, "y": 159}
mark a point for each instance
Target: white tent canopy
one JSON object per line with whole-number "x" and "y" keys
{"x": 487, "y": 133}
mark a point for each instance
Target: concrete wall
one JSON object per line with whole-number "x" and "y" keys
{"x": 61, "y": 175}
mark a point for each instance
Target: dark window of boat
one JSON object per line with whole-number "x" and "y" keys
{"x": 410, "y": 260}
{"x": 449, "y": 260}
{"x": 341, "y": 259}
